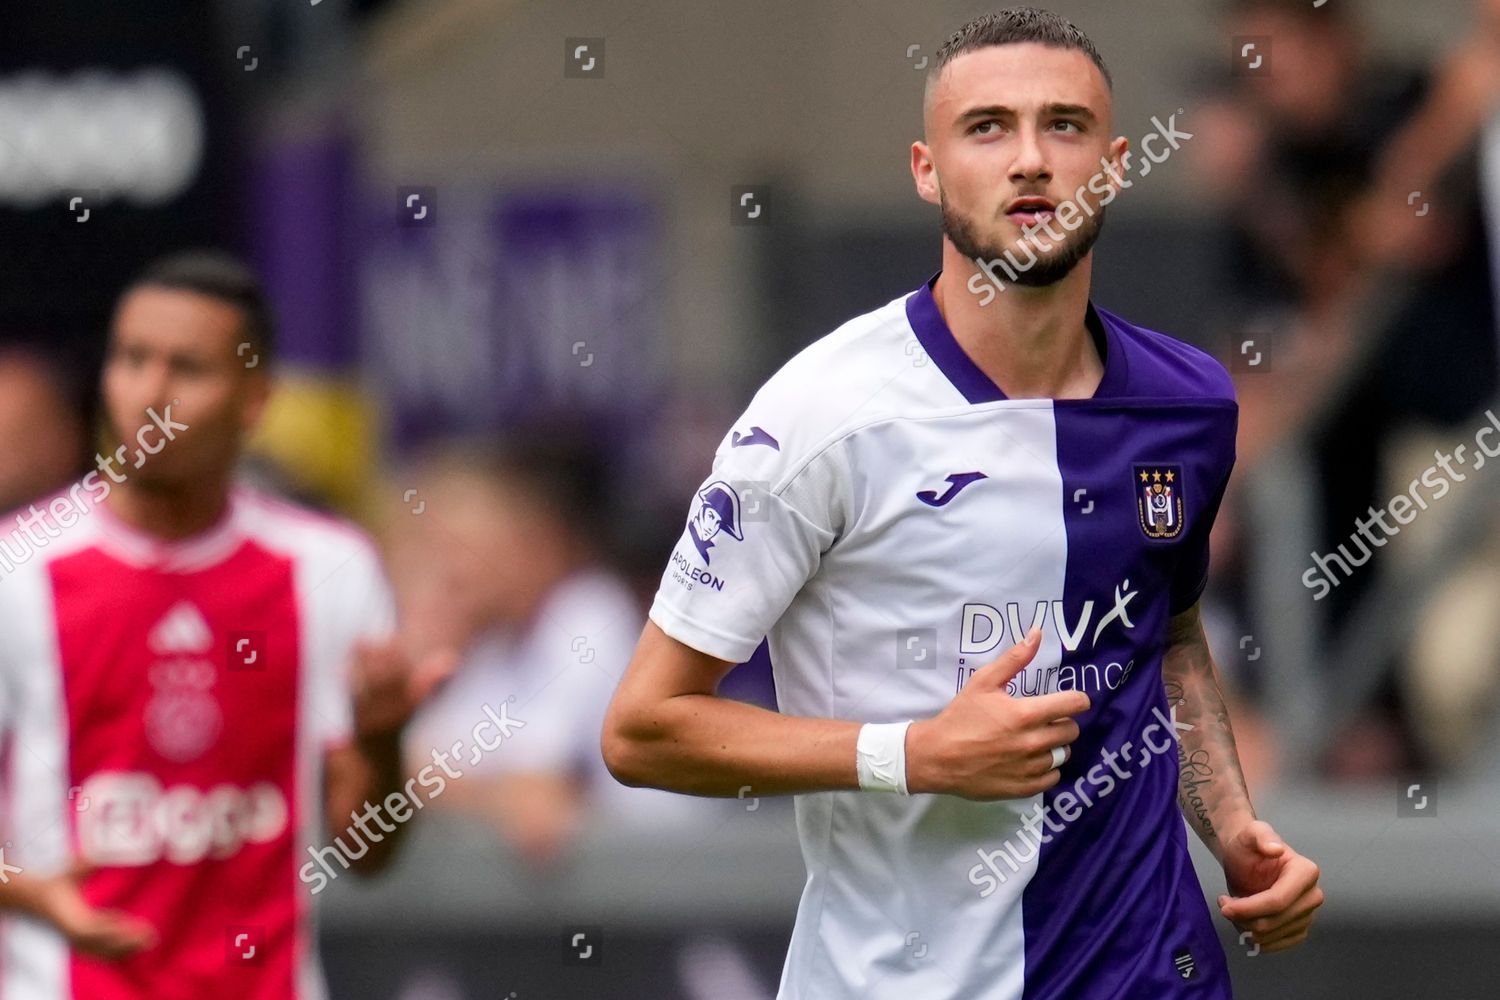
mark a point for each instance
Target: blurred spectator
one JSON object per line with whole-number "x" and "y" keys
{"x": 1282, "y": 151}
{"x": 1381, "y": 312}
{"x": 494, "y": 550}
{"x": 1451, "y": 149}
{"x": 40, "y": 426}
{"x": 1435, "y": 371}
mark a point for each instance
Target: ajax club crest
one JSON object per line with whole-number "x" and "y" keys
{"x": 1158, "y": 497}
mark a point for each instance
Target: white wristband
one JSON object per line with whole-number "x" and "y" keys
{"x": 880, "y": 756}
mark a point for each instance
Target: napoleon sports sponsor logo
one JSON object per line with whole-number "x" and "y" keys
{"x": 716, "y": 516}
{"x": 718, "y": 513}
{"x": 687, "y": 574}
{"x": 134, "y": 820}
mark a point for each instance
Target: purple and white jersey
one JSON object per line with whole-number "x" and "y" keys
{"x": 891, "y": 522}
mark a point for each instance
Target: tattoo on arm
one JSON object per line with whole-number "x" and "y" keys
{"x": 1211, "y": 787}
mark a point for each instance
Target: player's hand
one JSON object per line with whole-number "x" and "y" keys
{"x": 989, "y": 745}
{"x": 1274, "y": 890}
{"x": 102, "y": 933}
{"x": 388, "y": 687}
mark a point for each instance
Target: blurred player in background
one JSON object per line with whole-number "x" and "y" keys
{"x": 175, "y": 684}
{"x": 1048, "y": 472}
{"x": 42, "y": 430}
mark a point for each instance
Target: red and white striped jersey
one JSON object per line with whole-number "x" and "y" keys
{"x": 165, "y": 709}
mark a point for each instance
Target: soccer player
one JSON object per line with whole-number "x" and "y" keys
{"x": 175, "y": 682}
{"x": 987, "y": 460}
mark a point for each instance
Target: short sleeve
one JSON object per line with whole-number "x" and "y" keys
{"x": 755, "y": 532}
{"x": 23, "y": 621}
{"x": 9, "y": 697}
{"x": 363, "y": 610}
{"x": 1190, "y": 577}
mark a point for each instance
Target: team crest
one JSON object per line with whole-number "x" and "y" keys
{"x": 1159, "y": 499}
{"x": 183, "y": 718}
{"x": 718, "y": 514}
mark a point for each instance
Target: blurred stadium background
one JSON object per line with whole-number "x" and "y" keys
{"x": 529, "y": 261}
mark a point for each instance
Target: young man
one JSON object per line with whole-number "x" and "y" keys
{"x": 964, "y": 466}
{"x": 174, "y": 682}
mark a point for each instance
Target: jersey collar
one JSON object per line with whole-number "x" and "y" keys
{"x": 967, "y": 377}
{"x": 207, "y": 548}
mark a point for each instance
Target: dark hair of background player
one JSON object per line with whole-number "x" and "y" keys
{"x": 218, "y": 275}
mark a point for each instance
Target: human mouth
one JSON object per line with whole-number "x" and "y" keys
{"x": 1030, "y": 211}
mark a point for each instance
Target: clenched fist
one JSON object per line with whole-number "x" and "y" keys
{"x": 989, "y": 745}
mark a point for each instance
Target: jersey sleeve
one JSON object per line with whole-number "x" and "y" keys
{"x": 1190, "y": 577}
{"x": 9, "y": 696}
{"x": 364, "y": 610}
{"x": 14, "y": 622}
{"x": 755, "y": 532}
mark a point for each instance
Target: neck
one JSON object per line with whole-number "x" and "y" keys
{"x": 1031, "y": 342}
{"x": 170, "y": 512}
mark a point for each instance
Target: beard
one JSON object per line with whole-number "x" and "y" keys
{"x": 1030, "y": 267}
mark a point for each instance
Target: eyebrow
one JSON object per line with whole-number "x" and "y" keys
{"x": 1055, "y": 109}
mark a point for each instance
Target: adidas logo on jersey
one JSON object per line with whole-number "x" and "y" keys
{"x": 181, "y": 630}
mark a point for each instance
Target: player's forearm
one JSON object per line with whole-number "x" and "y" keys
{"x": 701, "y": 744}
{"x": 20, "y": 893}
{"x": 1211, "y": 786}
{"x": 370, "y": 773}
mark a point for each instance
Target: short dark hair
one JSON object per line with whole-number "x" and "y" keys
{"x": 1013, "y": 26}
{"x": 222, "y": 276}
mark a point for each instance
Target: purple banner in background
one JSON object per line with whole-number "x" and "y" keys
{"x": 489, "y": 309}
{"x": 303, "y": 246}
